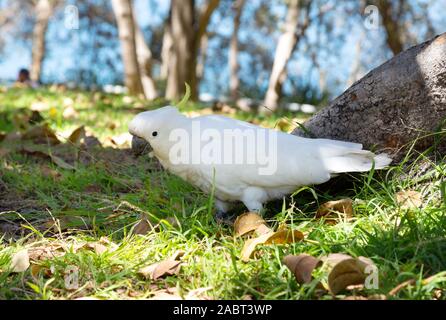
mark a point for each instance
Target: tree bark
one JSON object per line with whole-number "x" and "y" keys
{"x": 200, "y": 43}
{"x": 126, "y": 29}
{"x": 144, "y": 56}
{"x": 181, "y": 63}
{"x": 285, "y": 47}
{"x": 391, "y": 25}
{"x": 166, "y": 49}
{"x": 393, "y": 106}
{"x": 186, "y": 42}
{"x": 201, "y": 59}
{"x": 234, "y": 79}
{"x": 44, "y": 11}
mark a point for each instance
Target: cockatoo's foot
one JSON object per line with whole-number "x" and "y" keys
{"x": 259, "y": 209}
{"x": 224, "y": 218}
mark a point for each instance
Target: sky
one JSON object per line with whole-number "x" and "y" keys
{"x": 336, "y": 59}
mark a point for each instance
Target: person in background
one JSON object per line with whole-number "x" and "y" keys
{"x": 24, "y": 80}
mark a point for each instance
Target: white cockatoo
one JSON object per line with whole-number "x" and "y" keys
{"x": 238, "y": 161}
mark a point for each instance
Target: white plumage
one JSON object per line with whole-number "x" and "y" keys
{"x": 300, "y": 161}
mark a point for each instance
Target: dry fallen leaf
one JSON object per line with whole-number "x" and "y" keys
{"x": 247, "y": 222}
{"x": 409, "y": 199}
{"x": 164, "y": 268}
{"x": 36, "y": 269}
{"x": 20, "y": 261}
{"x": 331, "y": 210}
{"x": 48, "y": 172}
{"x": 77, "y": 135}
{"x": 345, "y": 271}
{"x": 302, "y": 266}
{"x": 47, "y": 251}
{"x": 4, "y": 152}
{"x": 283, "y": 236}
{"x": 44, "y": 153}
{"x": 101, "y": 246}
{"x": 41, "y": 134}
{"x": 160, "y": 269}
{"x": 142, "y": 227}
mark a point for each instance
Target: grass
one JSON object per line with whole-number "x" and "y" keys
{"x": 45, "y": 206}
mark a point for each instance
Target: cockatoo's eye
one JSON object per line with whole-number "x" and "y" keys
{"x": 154, "y": 133}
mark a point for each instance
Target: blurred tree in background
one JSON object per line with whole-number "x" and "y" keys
{"x": 272, "y": 51}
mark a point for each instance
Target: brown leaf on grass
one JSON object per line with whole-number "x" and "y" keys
{"x": 37, "y": 269}
{"x": 409, "y": 199}
{"x": 143, "y": 227}
{"x": 283, "y": 236}
{"x": 164, "y": 268}
{"x": 20, "y": 261}
{"x": 302, "y": 266}
{"x": 160, "y": 269}
{"x": 12, "y": 137}
{"x": 4, "y": 152}
{"x": 43, "y": 153}
{"x": 41, "y": 134}
{"x": 101, "y": 246}
{"x": 332, "y": 210}
{"x": 98, "y": 248}
{"x": 345, "y": 271}
{"x": 93, "y": 188}
{"x": 47, "y": 251}
{"x": 77, "y": 135}
{"x": 247, "y": 222}
{"x": 61, "y": 163}
{"x": 48, "y": 172}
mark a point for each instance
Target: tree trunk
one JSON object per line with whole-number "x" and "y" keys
{"x": 181, "y": 63}
{"x": 44, "y": 10}
{"x": 234, "y": 80}
{"x": 166, "y": 49}
{"x": 145, "y": 65}
{"x": 126, "y": 29}
{"x": 394, "y": 105}
{"x": 201, "y": 59}
{"x": 391, "y": 25}
{"x": 186, "y": 38}
{"x": 285, "y": 47}
{"x": 203, "y": 22}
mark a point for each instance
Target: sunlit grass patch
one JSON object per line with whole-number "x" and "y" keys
{"x": 45, "y": 206}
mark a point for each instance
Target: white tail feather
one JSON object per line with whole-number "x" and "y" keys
{"x": 357, "y": 161}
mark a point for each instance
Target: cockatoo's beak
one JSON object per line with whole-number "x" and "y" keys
{"x": 140, "y": 146}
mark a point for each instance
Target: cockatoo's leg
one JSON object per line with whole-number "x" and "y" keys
{"x": 253, "y": 199}
{"x": 222, "y": 211}
{"x": 222, "y": 206}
